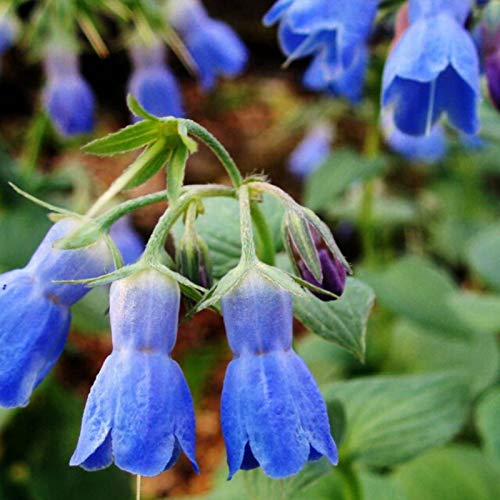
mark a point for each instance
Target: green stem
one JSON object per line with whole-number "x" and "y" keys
{"x": 217, "y": 148}
{"x": 167, "y": 220}
{"x": 107, "y": 219}
{"x": 366, "y": 213}
{"x": 34, "y": 143}
{"x": 121, "y": 182}
{"x": 248, "y": 254}
{"x": 264, "y": 235}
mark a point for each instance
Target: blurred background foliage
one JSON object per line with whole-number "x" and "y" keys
{"x": 414, "y": 396}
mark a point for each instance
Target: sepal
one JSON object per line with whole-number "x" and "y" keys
{"x": 299, "y": 243}
{"x": 58, "y": 212}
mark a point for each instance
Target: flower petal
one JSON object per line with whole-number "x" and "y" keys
{"x": 152, "y": 403}
{"x": 33, "y": 331}
{"x": 93, "y": 450}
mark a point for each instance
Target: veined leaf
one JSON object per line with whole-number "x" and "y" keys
{"x": 393, "y": 419}
{"x": 342, "y": 321}
{"x": 127, "y": 139}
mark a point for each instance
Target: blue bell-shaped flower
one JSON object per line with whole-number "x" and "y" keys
{"x": 312, "y": 151}
{"x": 214, "y": 46}
{"x": 67, "y": 97}
{"x": 139, "y": 412}
{"x": 35, "y": 312}
{"x": 433, "y": 70}
{"x": 272, "y": 412}
{"x": 152, "y": 83}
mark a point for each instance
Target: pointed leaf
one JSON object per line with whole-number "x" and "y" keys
{"x": 342, "y": 321}
{"x": 175, "y": 171}
{"x": 127, "y": 139}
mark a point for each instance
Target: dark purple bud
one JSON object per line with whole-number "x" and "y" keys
{"x": 317, "y": 262}
{"x": 334, "y": 275}
{"x": 492, "y": 70}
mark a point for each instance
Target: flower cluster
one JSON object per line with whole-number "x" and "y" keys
{"x": 212, "y": 48}
{"x": 334, "y": 34}
{"x": 139, "y": 413}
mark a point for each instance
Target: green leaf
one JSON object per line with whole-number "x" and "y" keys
{"x": 150, "y": 167}
{"x": 418, "y": 350}
{"x": 451, "y": 473}
{"x": 43, "y": 455}
{"x": 254, "y": 485}
{"x": 89, "y": 315}
{"x": 127, "y": 139}
{"x": 175, "y": 171}
{"x": 392, "y": 419}
{"x": 342, "y": 321}
{"x": 487, "y": 420}
{"x": 5, "y": 416}
{"x": 417, "y": 289}
{"x": 29, "y": 224}
{"x": 480, "y": 311}
{"x": 340, "y": 171}
{"x": 483, "y": 255}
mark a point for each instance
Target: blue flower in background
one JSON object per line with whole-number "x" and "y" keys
{"x": 214, "y": 46}
{"x": 68, "y": 98}
{"x": 8, "y": 32}
{"x": 425, "y": 148}
{"x": 334, "y": 33}
{"x": 127, "y": 240}
{"x": 312, "y": 151}
{"x": 139, "y": 412}
{"x": 433, "y": 70}
{"x": 272, "y": 412}
{"x": 152, "y": 83}
{"x": 35, "y": 312}
{"x": 346, "y": 82}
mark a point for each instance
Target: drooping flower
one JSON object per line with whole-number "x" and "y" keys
{"x": 334, "y": 33}
{"x": 67, "y": 97}
{"x": 152, "y": 83}
{"x": 127, "y": 240}
{"x": 425, "y": 148}
{"x": 346, "y": 82}
{"x": 214, "y": 46}
{"x": 35, "y": 311}
{"x": 272, "y": 412}
{"x": 312, "y": 151}
{"x": 433, "y": 70}
{"x": 139, "y": 412}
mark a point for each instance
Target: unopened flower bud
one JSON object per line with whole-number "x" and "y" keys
{"x": 313, "y": 259}
{"x": 194, "y": 259}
